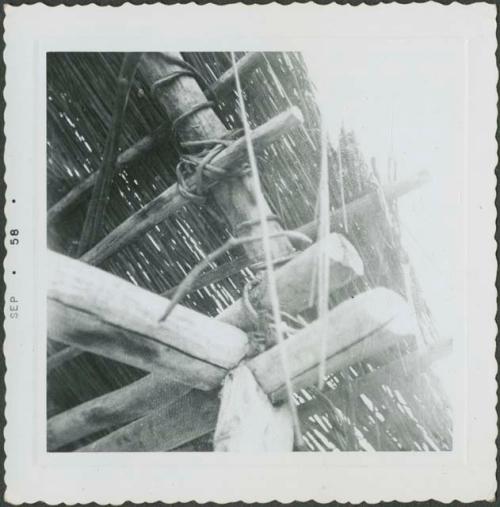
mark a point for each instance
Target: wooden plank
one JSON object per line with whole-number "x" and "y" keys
{"x": 295, "y": 280}
{"x": 360, "y": 327}
{"x": 117, "y": 407}
{"x": 164, "y": 429}
{"x": 170, "y": 201}
{"x": 125, "y": 160}
{"x": 101, "y": 313}
{"x": 247, "y": 420}
{"x": 245, "y": 65}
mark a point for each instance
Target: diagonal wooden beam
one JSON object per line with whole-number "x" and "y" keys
{"x": 245, "y": 65}
{"x": 125, "y": 160}
{"x": 164, "y": 429}
{"x": 295, "y": 280}
{"x": 360, "y": 327}
{"x": 170, "y": 201}
{"x": 101, "y": 313}
{"x": 118, "y": 407}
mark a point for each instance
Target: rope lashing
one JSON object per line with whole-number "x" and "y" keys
{"x": 232, "y": 242}
{"x": 187, "y": 70}
{"x": 206, "y": 175}
{"x": 207, "y": 104}
{"x": 250, "y": 223}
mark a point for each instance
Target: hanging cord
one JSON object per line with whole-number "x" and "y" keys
{"x": 341, "y": 181}
{"x": 188, "y": 281}
{"x": 273, "y": 292}
{"x": 323, "y": 271}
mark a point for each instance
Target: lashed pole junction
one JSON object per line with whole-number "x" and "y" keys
{"x": 229, "y": 375}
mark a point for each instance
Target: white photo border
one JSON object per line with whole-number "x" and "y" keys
{"x": 467, "y": 473}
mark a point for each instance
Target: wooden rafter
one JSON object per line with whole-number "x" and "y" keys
{"x": 360, "y": 327}
{"x": 101, "y": 313}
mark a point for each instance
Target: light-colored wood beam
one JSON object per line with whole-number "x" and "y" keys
{"x": 101, "y": 313}
{"x": 294, "y": 285}
{"x": 358, "y": 328}
{"x": 295, "y": 280}
{"x": 247, "y": 420}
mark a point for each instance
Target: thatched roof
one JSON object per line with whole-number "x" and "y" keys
{"x": 389, "y": 409}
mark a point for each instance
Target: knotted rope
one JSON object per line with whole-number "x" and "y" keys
{"x": 199, "y": 165}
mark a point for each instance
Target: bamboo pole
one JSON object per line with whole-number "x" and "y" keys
{"x": 118, "y": 407}
{"x": 170, "y": 201}
{"x": 235, "y": 196}
{"x": 101, "y": 313}
{"x": 360, "y": 327}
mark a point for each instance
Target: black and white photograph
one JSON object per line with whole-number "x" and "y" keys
{"x": 227, "y": 273}
{"x": 256, "y": 254}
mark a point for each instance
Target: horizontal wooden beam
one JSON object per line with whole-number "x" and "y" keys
{"x": 164, "y": 429}
{"x": 357, "y": 328}
{"x": 295, "y": 280}
{"x": 101, "y": 313}
{"x": 117, "y": 407}
{"x": 170, "y": 201}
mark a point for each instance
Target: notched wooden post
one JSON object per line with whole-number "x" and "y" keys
{"x": 247, "y": 420}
